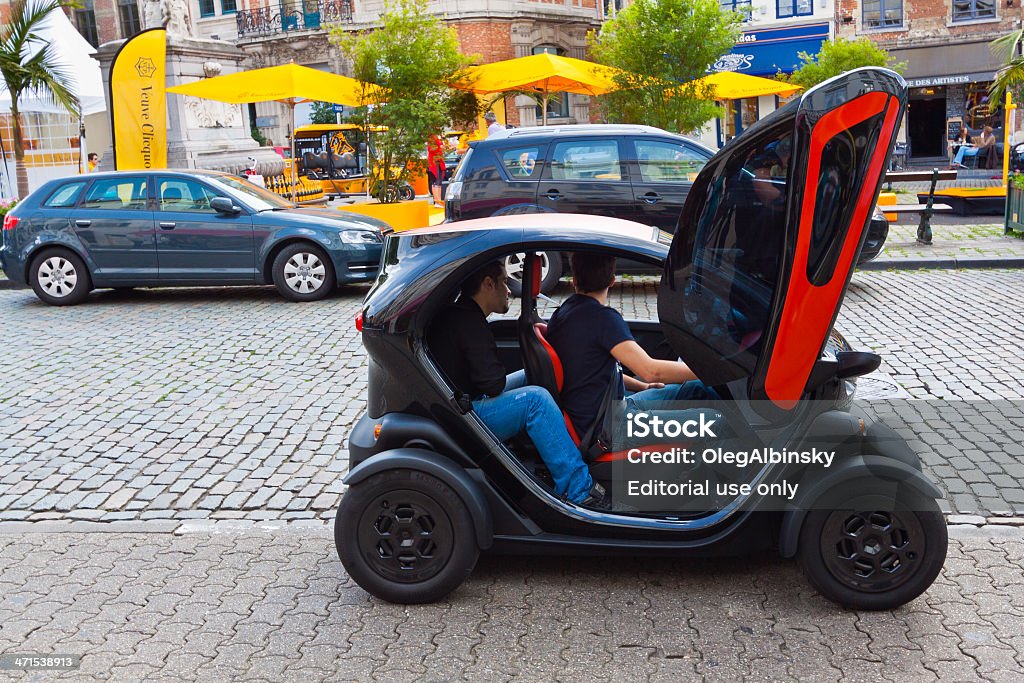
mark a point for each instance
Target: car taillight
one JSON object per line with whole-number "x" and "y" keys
{"x": 10, "y": 222}
{"x": 359, "y": 321}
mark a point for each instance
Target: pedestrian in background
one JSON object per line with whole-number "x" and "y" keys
{"x": 94, "y": 161}
{"x": 492, "y": 123}
{"x": 436, "y": 166}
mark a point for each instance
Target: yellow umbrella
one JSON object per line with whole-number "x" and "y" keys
{"x": 289, "y": 84}
{"x": 729, "y": 85}
{"x": 542, "y": 73}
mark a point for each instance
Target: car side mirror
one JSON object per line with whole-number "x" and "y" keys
{"x": 224, "y": 205}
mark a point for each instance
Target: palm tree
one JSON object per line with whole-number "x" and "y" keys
{"x": 1010, "y": 76}
{"x": 29, "y": 66}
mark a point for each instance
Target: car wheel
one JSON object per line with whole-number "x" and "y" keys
{"x": 59, "y": 277}
{"x": 874, "y": 559}
{"x": 405, "y": 536}
{"x": 302, "y": 272}
{"x": 550, "y": 271}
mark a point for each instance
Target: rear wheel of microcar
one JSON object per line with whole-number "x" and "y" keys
{"x": 302, "y": 272}
{"x": 59, "y": 277}
{"x": 874, "y": 559}
{"x": 405, "y": 536}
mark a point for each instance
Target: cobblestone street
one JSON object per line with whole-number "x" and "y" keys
{"x": 222, "y": 414}
{"x": 277, "y": 607}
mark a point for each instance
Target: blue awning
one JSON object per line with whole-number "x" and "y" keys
{"x": 768, "y": 51}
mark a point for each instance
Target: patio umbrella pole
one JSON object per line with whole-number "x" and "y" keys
{"x": 291, "y": 103}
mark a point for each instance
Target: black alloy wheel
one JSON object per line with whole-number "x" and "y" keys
{"x": 874, "y": 559}
{"x": 405, "y": 536}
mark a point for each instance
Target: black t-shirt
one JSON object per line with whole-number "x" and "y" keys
{"x": 464, "y": 347}
{"x": 583, "y": 334}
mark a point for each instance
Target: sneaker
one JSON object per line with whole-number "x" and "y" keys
{"x": 597, "y": 498}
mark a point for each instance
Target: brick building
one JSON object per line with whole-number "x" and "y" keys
{"x": 945, "y": 44}
{"x": 276, "y": 33}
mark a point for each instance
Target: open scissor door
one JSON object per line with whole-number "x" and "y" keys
{"x": 770, "y": 235}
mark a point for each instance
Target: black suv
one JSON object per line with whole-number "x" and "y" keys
{"x": 634, "y": 172}
{"x": 638, "y": 173}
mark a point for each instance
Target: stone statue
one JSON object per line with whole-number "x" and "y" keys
{"x": 172, "y": 14}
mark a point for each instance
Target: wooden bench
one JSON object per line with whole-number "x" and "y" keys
{"x": 917, "y": 176}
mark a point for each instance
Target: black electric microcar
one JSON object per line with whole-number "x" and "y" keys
{"x": 751, "y": 285}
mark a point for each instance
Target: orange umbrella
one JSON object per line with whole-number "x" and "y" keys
{"x": 543, "y": 73}
{"x": 289, "y": 84}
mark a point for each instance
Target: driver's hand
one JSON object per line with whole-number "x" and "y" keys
{"x": 655, "y": 385}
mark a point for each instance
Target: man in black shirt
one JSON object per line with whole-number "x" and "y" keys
{"x": 461, "y": 341}
{"x": 590, "y": 337}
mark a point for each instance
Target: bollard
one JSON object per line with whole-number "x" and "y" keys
{"x": 924, "y": 228}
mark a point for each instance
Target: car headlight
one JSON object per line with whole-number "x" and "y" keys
{"x": 359, "y": 237}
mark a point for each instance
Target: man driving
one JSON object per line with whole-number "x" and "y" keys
{"x": 590, "y": 337}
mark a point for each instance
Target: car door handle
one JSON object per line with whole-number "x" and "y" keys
{"x": 651, "y": 198}
{"x": 167, "y": 225}
{"x": 553, "y": 195}
{"x": 82, "y": 223}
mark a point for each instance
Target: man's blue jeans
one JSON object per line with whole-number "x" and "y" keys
{"x": 652, "y": 399}
{"x": 533, "y": 409}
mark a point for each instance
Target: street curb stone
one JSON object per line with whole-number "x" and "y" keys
{"x": 958, "y": 525}
{"x": 944, "y": 263}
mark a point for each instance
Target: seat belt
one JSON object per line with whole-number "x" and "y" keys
{"x": 591, "y": 445}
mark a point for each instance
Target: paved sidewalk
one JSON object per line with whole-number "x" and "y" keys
{"x": 252, "y": 606}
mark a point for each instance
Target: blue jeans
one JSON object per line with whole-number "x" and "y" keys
{"x": 533, "y": 409}
{"x": 650, "y": 399}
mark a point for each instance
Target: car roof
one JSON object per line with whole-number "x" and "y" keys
{"x": 566, "y": 224}
{"x": 580, "y": 129}
{"x": 143, "y": 171}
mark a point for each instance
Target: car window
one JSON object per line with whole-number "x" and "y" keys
{"x": 65, "y": 195}
{"x": 255, "y": 197}
{"x": 668, "y": 162}
{"x": 520, "y": 162}
{"x": 117, "y": 193}
{"x": 177, "y": 194}
{"x": 585, "y": 160}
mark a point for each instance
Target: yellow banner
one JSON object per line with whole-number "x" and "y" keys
{"x": 138, "y": 101}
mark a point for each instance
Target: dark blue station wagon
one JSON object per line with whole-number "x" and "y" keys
{"x": 175, "y": 228}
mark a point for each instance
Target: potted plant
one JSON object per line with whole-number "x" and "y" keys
{"x": 407, "y": 65}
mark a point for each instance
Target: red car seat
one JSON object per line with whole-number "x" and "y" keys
{"x": 541, "y": 362}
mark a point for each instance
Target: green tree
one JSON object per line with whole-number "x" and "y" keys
{"x": 322, "y": 112}
{"x": 839, "y": 56}
{"x": 1010, "y": 77}
{"x": 413, "y": 58}
{"x": 664, "y": 47}
{"x": 30, "y": 67}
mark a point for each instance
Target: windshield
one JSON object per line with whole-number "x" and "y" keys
{"x": 253, "y": 196}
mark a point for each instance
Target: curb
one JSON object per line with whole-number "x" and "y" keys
{"x": 958, "y": 525}
{"x": 976, "y": 263}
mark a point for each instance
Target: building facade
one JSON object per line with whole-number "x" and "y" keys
{"x": 949, "y": 66}
{"x": 774, "y": 34}
{"x": 280, "y": 32}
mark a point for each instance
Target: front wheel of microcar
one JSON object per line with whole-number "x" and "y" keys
{"x": 405, "y": 536}
{"x": 874, "y": 559}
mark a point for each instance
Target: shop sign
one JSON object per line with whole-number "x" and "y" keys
{"x": 768, "y": 51}
{"x": 950, "y": 80}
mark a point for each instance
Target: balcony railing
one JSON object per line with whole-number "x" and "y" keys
{"x": 304, "y": 15}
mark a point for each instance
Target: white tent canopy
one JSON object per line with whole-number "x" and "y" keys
{"x": 73, "y": 53}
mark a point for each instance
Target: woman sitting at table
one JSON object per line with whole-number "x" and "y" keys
{"x": 963, "y": 148}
